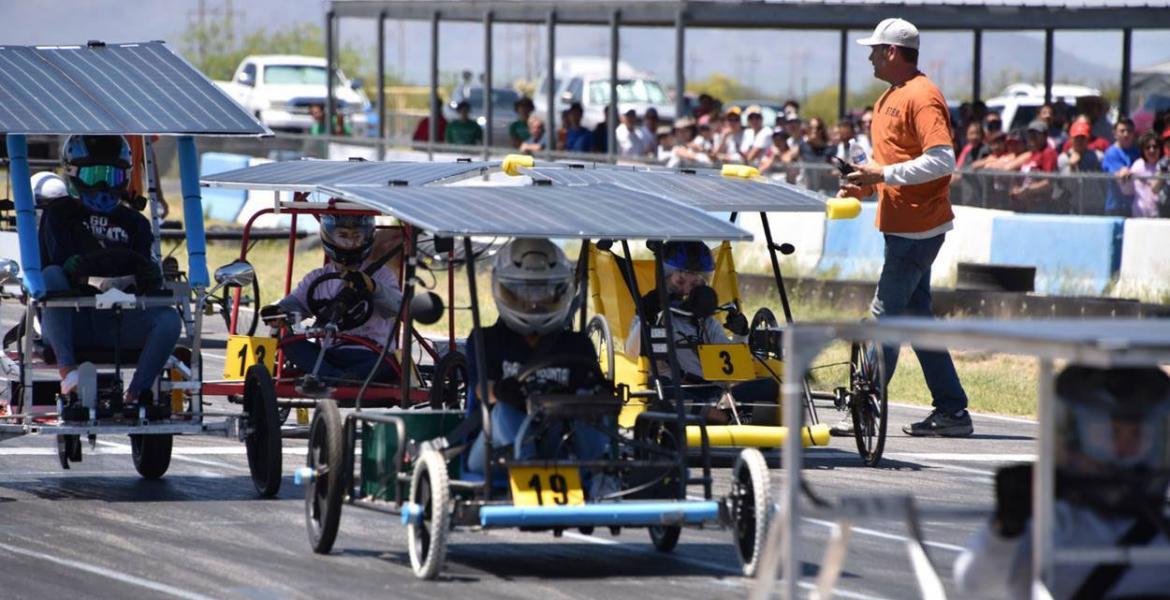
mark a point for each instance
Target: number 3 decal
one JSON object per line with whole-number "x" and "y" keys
{"x": 728, "y": 369}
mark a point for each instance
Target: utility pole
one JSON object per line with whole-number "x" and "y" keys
{"x": 199, "y": 18}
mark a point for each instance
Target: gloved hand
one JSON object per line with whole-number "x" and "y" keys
{"x": 71, "y": 265}
{"x": 359, "y": 282}
{"x": 272, "y": 315}
{"x": 1013, "y": 500}
{"x": 509, "y": 391}
{"x": 147, "y": 278}
{"x": 736, "y": 323}
{"x": 650, "y": 305}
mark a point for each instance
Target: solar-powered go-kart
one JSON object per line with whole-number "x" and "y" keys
{"x": 735, "y": 190}
{"x": 437, "y": 492}
{"x": 95, "y": 91}
{"x": 441, "y": 382}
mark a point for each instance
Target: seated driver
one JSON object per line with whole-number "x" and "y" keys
{"x": 91, "y": 234}
{"x": 348, "y": 241}
{"x": 688, "y": 266}
{"x": 1112, "y": 473}
{"x": 533, "y": 286}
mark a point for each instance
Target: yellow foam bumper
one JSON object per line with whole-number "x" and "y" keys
{"x": 842, "y": 208}
{"x": 756, "y": 436}
{"x": 513, "y": 162}
{"x": 740, "y": 171}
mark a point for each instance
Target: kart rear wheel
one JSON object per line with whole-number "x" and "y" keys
{"x": 323, "y": 492}
{"x": 263, "y": 439}
{"x": 868, "y": 401}
{"x": 751, "y": 507}
{"x": 449, "y": 382}
{"x": 602, "y": 338}
{"x": 427, "y": 535}
{"x": 151, "y": 454}
{"x": 664, "y": 537}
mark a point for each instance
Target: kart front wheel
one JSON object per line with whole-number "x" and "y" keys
{"x": 751, "y": 508}
{"x": 427, "y": 533}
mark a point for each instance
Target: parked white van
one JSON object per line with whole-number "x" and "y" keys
{"x": 1019, "y": 103}
{"x": 586, "y": 80}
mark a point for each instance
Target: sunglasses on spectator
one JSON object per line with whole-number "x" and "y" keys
{"x": 1151, "y": 147}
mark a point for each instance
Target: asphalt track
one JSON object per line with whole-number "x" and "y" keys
{"x": 99, "y": 531}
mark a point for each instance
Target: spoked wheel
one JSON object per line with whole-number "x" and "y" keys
{"x": 664, "y": 537}
{"x": 323, "y": 493}
{"x": 763, "y": 319}
{"x": 867, "y": 400}
{"x": 602, "y": 338}
{"x": 449, "y": 382}
{"x": 751, "y": 507}
{"x": 427, "y": 534}
{"x": 151, "y": 454}
{"x": 263, "y": 439}
{"x": 249, "y": 314}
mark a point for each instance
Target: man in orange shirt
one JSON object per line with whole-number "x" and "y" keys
{"x": 913, "y": 158}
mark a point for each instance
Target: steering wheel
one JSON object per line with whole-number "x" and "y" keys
{"x": 594, "y": 377}
{"x": 347, "y": 311}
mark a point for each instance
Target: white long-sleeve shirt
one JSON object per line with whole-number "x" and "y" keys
{"x": 991, "y": 564}
{"x": 685, "y": 330}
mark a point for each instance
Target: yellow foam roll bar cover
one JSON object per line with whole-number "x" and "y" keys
{"x": 513, "y": 162}
{"x": 741, "y": 171}
{"x": 842, "y": 208}
{"x": 755, "y": 436}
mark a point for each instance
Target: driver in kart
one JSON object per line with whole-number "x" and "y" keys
{"x": 533, "y": 287}
{"x": 89, "y": 234}
{"x": 350, "y": 292}
{"x": 1112, "y": 474}
{"x": 689, "y": 266}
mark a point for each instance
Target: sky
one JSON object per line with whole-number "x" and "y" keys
{"x": 779, "y": 63}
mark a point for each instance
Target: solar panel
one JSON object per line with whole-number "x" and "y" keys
{"x": 307, "y": 175}
{"x": 113, "y": 89}
{"x": 704, "y": 189}
{"x": 593, "y": 212}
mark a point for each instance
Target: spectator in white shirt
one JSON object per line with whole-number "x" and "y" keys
{"x": 633, "y": 139}
{"x": 728, "y": 143}
{"x": 756, "y": 138}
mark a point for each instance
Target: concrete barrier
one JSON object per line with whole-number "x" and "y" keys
{"x": 218, "y": 203}
{"x": 1073, "y": 255}
{"x": 854, "y": 248}
{"x": 969, "y": 241}
{"x": 1145, "y": 270}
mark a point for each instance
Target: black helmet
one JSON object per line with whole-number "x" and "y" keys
{"x": 1113, "y": 436}
{"x": 97, "y": 168}
{"x": 347, "y": 239}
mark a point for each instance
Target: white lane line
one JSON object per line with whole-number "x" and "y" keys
{"x": 981, "y": 415}
{"x": 113, "y": 448}
{"x": 803, "y": 584}
{"x": 104, "y": 572}
{"x": 963, "y": 457}
{"x": 886, "y": 536}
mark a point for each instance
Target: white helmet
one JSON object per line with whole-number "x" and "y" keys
{"x": 533, "y": 285}
{"x": 47, "y": 185}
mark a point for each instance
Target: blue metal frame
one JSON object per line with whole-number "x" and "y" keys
{"x": 26, "y": 215}
{"x": 192, "y": 213}
{"x": 628, "y": 514}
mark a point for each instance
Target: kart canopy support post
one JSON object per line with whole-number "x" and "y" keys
{"x": 26, "y": 215}
{"x": 480, "y": 382}
{"x": 1044, "y": 477}
{"x": 675, "y": 370}
{"x": 776, "y": 268}
{"x": 193, "y": 213}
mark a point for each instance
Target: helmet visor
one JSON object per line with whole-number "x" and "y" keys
{"x": 102, "y": 175}
{"x": 533, "y": 298}
{"x": 1122, "y": 440}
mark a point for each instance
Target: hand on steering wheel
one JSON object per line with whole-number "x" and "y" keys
{"x": 347, "y": 310}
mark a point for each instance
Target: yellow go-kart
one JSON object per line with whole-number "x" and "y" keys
{"x": 614, "y": 294}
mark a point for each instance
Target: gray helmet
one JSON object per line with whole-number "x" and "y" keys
{"x": 1113, "y": 435}
{"x": 533, "y": 285}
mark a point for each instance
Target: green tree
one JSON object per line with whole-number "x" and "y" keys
{"x": 723, "y": 88}
{"x": 823, "y": 104}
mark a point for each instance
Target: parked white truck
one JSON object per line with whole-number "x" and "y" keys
{"x": 280, "y": 88}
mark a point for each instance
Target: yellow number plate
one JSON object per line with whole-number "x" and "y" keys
{"x": 726, "y": 362}
{"x": 244, "y": 351}
{"x": 536, "y": 486}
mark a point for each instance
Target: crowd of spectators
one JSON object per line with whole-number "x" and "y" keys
{"x": 1021, "y": 170}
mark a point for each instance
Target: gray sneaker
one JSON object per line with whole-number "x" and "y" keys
{"x": 939, "y": 424}
{"x": 843, "y": 428}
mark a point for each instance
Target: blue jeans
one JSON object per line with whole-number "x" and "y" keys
{"x": 153, "y": 330}
{"x": 589, "y": 441}
{"x": 339, "y": 363}
{"x": 904, "y": 290}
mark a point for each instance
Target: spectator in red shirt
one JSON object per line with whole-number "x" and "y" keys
{"x": 1033, "y": 193}
{"x": 422, "y": 133}
{"x": 1099, "y": 144}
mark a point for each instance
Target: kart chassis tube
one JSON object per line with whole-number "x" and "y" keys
{"x": 630, "y": 514}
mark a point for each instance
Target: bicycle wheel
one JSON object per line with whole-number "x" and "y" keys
{"x": 868, "y": 402}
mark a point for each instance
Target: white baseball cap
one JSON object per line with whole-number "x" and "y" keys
{"x": 893, "y": 32}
